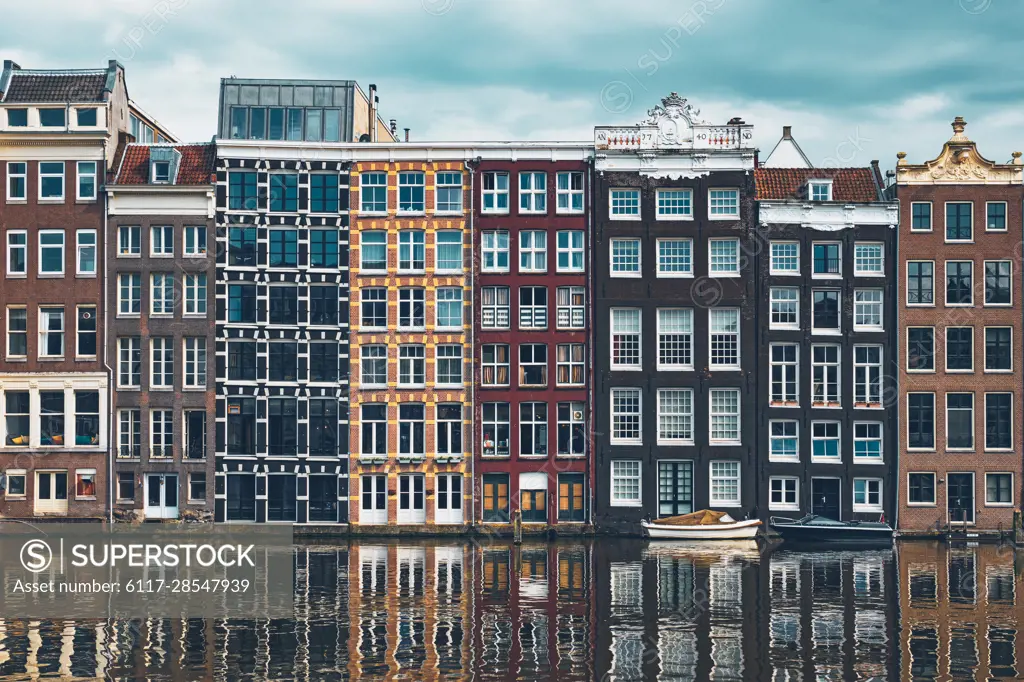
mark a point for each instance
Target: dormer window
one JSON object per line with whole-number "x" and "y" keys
{"x": 51, "y": 118}
{"x": 161, "y": 171}
{"x": 86, "y": 116}
{"x": 819, "y": 190}
{"x": 163, "y": 165}
{"x": 17, "y": 118}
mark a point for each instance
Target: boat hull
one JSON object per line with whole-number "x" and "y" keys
{"x": 833, "y": 535}
{"x": 741, "y": 530}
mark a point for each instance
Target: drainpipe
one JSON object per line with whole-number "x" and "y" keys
{"x": 470, "y": 166}
{"x": 589, "y": 238}
{"x": 111, "y": 421}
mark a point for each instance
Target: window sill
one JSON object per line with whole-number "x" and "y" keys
{"x": 669, "y": 275}
{"x": 784, "y": 507}
{"x": 959, "y": 241}
{"x": 921, "y": 371}
{"x": 675, "y": 443}
{"x": 827, "y": 405}
{"x": 53, "y": 358}
{"x": 962, "y": 451}
{"x": 723, "y": 217}
{"x": 783, "y": 403}
{"x": 626, "y": 368}
{"x": 161, "y": 255}
{"x": 51, "y": 201}
{"x": 731, "y": 503}
{"x": 51, "y": 275}
{"x": 562, "y": 271}
{"x": 666, "y": 218}
{"x": 1000, "y": 451}
{"x": 725, "y": 368}
{"x": 17, "y": 201}
{"x": 920, "y": 305}
{"x": 17, "y": 275}
{"x": 421, "y": 213}
{"x": 868, "y": 510}
{"x": 997, "y": 305}
{"x": 675, "y": 368}
{"x": 722, "y": 275}
{"x": 826, "y": 460}
{"x": 129, "y": 388}
{"x": 826, "y": 332}
{"x": 959, "y": 371}
{"x": 557, "y": 212}
{"x": 824, "y": 275}
{"x": 784, "y": 460}
{"x": 784, "y": 273}
{"x": 921, "y": 504}
{"x": 85, "y": 275}
{"x": 870, "y": 330}
{"x": 920, "y": 230}
{"x": 959, "y": 305}
{"x": 997, "y": 371}
{"x": 788, "y": 328}
{"x": 628, "y": 218}
{"x": 868, "y": 406}
{"x": 726, "y": 443}
{"x": 618, "y": 503}
{"x": 85, "y": 497}
{"x": 622, "y": 275}
{"x": 997, "y": 504}
{"x": 129, "y": 255}
{"x": 867, "y": 461}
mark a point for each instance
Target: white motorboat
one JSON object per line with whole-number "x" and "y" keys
{"x": 701, "y": 525}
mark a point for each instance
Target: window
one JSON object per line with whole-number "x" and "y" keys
{"x": 825, "y": 311}
{"x": 17, "y": 333}
{"x": 412, "y": 366}
{"x": 195, "y": 293}
{"x": 625, "y": 204}
{"x": 570, "y": 251}
{"x": 675, "y": 258}
{"x": 242, "y": 303}
{"x": 17, "y": 253}
{"x": 783, "y": 492}
{"x": 448, "y": 257}
{"x": 125, "y": 486}
{"x": 625, "y": 483}
{"x": 17, "y": 181}
{"x": 449, "y": 429}
{"x": 675, "y": 416}
{"x": 241, "y": 426}
{"x": 920, "y": 349}
{"x": 533, "y": 251}
{"x": 161, "y": 240}
{"x": 197, "y": 486}
{"x": 17, "y": 411}
{"x": 195, "y": 240}
{"x": 323, "y": 248}
{"x": 785, "y": 307}
{"x": 675, "y": 204}
{"x": 411, "y": 429}
{"x": 921, "y": 488}
{"x": 51, "y": 252}
{"x": 323, "y": 193}
{"x": 85, "y": 262}
{"x": 495, "y": 251}
{"x": 411, "y": 192}
{"x": 373, "y": 251}
{"x": 920, "y": 283}
{"x": 85, "y": 484}
{"x": 162, "y": 362}
{"x": 373, "y": 192}
{"x": 86, "y": 180}
{"x": 867, "y": 376}
{"x": 867, "y": 310}
{"x": 495, "y": 308}
{"x": 999, "y": 489}
{"x": 868, "y": 260}
{"x": 242, "y": 191}
{"x": 161, "y": 172}
{"x": 17, "y": 117}
{"x": 496, "y": 429}
{"x": 323, "y": 361}
{"x": 411, "y": 251}
{"x": 920, "y": 217}
{"x": 374, "y": 431}
{"x": 242, "y": 246}
{"x": 996, "y": 216}
{"x": 411, "y": 309}
{"x": 495, "y": 192}
{"x": 785, "y": 258}
{"x": 161, "y": 433}
{"x": 16, "y": 486}
{"x": 51, "y": 180}
{"x": 675, "y": 338}
{"x": 626, "y": 416}
{"x": 51, "y": 332}
{"x": 448, "y": 365}
{"x": 626, "y": 338}
{"x": 825, "y": 441}
{"x": 723, "y": 257}
{"x": 195, "y": 362}
{"x": 533, "y": 429}
{"x": 282, "y": 361}
{"x": 959, "y": 349}
{"x": 282, "y": 427}
{"x": 533, "y": 307}
{"x": 533, "y": 364}
{"x": 51, "y": 118}
{"x": 625, "y": 257}
{"x": 569, "y": 193}
{"x": 785, "y": 369}
{"x": 323, "y": 305}
{"x": 827, "y": 260}
{"x": 161, "y": 293}
{"x": 867, "y": 495}
{"x": 129, "y": 362}
{"x": 784, "y": 440}
{"x": 998, "y": 351}
{"x": 448, "y": 192}
{"x": 959, "y": 421}
{"x": 725, "y": 484}
{"x": 958, "y": 221}
{"x": 825, "y": 376}
{"x": 867, "y": 441}
{"x": 570, "y": 307}
{"x": 495, "y": 506}
{"x": 533, "y": 192}
{"x": 819, "y": 190}
{"x": 374, "y": 366}
{"x": 449, "y": 308}
{"x": 373, "y": 307}
{"x": 998, "y": 421}
{"x": 725, "y": 416}
{"x": 572, "y": 430}
{"x": 921, "y": 421}
{"x": 724, "y": 204}
{"x": 284, "y": 248}
{"x": 725, "y": 338}
{"x": 997, "y": 282}
{"x": 496, "y": 365}
{"x": 570, "y": 364}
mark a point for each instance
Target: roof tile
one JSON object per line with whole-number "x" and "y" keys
{"x": 56, "y": 87}
{"x": 848, "y": 184}
{"x": 198, "y": 163}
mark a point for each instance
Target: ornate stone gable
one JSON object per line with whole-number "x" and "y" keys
{"x": 959, "y": 163}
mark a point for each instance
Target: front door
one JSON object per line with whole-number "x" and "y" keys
{"x": 373, "y": 509}
{"x": 571, "y": 501}
{"x": 675, "y": 488}
{"x": 825, "y": 497}
{"x": 51, "y": 492}
{"x": 960, "y": 497}
{"x": 241, "y": 503}
{"x": 411, "y": 507}
{"x": 323, "y": 499}
{"x": 161, "y": 496}
{"x": 449, "y": 498}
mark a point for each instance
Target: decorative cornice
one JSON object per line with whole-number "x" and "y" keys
{"x": 959, "y": 163}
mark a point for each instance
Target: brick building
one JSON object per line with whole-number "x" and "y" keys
{"x": 959, "y": 339}
{"x": 160, "y": 302}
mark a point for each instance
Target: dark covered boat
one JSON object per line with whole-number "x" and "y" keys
{"x": 819, "y": 529}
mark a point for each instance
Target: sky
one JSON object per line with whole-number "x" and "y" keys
{"x": 857, "y": 79}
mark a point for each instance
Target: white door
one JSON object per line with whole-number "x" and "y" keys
{"x": 161, "y": 496}
{"x": 449, "y": 498}
{"x": 411, "y": 507}
{"x": 51, "y": 492}
{"x": 373, "y": 504}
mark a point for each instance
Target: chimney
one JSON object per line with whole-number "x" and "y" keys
{"x": 787, "y": 132}
{"x": 406, "y": 134}
{"x": 394, "y": 128}
{"x": 373, "y": 112}
{"x": 11, "y": 65}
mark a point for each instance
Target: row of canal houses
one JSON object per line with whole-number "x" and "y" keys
{"x": 310, "y": 321}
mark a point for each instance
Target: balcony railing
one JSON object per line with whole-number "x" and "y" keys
{"x": 129, "y": 451}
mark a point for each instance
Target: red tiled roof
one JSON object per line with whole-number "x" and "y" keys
{"x": 197, "y": 167}
{"x": 66, "y": 86}
{"x": 848, "y": 184}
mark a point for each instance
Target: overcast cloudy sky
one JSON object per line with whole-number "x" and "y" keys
{"x": 857, "y": 79}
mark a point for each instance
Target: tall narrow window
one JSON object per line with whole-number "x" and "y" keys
{"x": 495, "y": 192}
{"x": 17, "y": 253}
{"x": 571, "y": 364}
{"x": 626, "y": 338}
{"x": 570, "y": 192}
{"x": 825, "y": 376}
{"x": 675, "y": 416}
{"x": 495, "y": 308}
{"x": 725, "y": 416}
{"x": 725, "y": 338}
{"x": 448, "y": 192}
{"x": 570, "y": 307}
{"x": 533, "y": 189}
{"x": 784, "y": 373}
{"x": 85, "y": 261}
{"x": 51, "y": 332}
{"x": 162, "y": 362}
{"x": 195, "y": 362}
{"x": 867, "y": 376}
{"x": 373, "y": 192}
{"x": 411, "y": 192}
{"x": 161, "y": 293}
{"x": 675, "y": 338}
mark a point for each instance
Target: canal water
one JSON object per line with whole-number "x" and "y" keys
{"x": 582, "y": 610}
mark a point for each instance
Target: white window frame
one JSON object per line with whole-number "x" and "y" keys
{"x": 407, "y": 243}
{"x": 838, "y": 364}
{"x": 827, "y": 275}
{"x": 132, "y": 278}
{"x": 437, "y": 250}
{"x": 24, "y": 181}
{"x": 163, "y": 298}
{"x": 711, "y": 204}
{"x": 363, "y": 177}
{"x": 11, "y": 248}
{"x": 495, "y": 250}
{"x": 784, "y": 400}
{"x": 158, "y": 241}
{"x": 1006, "y": 216}
{"x": 711, "y": 340}
{"x": 573, "y": 312}
{"x": 984, "y": 341}
{"x": 945, "y": 349}
{"x": 738, "y": 416}
{"x": 685, "y": 416}
{"x": 403, "y": 181}
{"x": 868, "y": 404}
{"x": 133, "y": 344}
{"x": 17, "y": 473}
{"x": 613, "y": 256}
{"x": 906, "y": 359}
{"x": 569, "y": 193}
{"x": 1013, "y": 418}
{"x": 570, "y": 363}
{"x": 81, "y": 248}
{"x": 161, "y": 363}
{"x": 365, "y": 358}
{"x": 974, "y": 423}
{"x": 814, "y": 185}
{"x": 44, "y": 332}
{"x": 715, "y": 501}
{"x": 638, "y": 393}
{"x": 666, "y": 191}
{"x": 776, "y": 301}
{"x": 906, "y": 287}
{"x": 789, "y": 485}
{"x": 528, "y": 419}
{"x": 494, "y": 308}
{"x": 495, "y": 192}
{"x": 63, "y": 246}
{"x": 935, "y": 417}
{"x": 838, "y": 459}
{"x": 412, "y": 365}
{"x": 533, "y": 315}
{"x": 864, "y": 306}
{"x": 7, "y": 339}
{"x": 570, "y": 251}
{"x": 411, "y": 296}
{"x": 82, "y": 171}
{"x": 945, "y": 219}
{"x": 158, "y": 436}
{"x": 638, "y": 333}
{"x": 667, "y": 274}
{"x": 130, "y": 231}
{"x": 532, "y": 251}
{"x": 931, "y": 216}
{"x": 687, "y": 319}
{"x": 63, "y": 182}
{"x": 448, "y": 291}
{"x": 858, "y": 438}
{"x": 194, "y": 355}
{"x": 194, "y": 251}
{"x": 858, "y": 260}
{"x": 1012, "y": 489}
{"x": 620, "y": 203}
{"x": 935, "y": 492}
{"x": 635, "y": 473}
{"x": 772, "y": 456}
{"x": 828, "y": 331}
{"x": 195, "y": 304}
{"x": 945, "y": 284}
{"x": 795, "y": 272}
{"x": 984, "y": 266}
{"x": 866, "y": 506}
{"x": 535, "y": 192}
{"x": 712, "y": 270}
{"x": 440, "y": 354}
{"x": 362, "y": 252}
{"x": 444, "y": 180}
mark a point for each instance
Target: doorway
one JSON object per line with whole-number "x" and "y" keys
{"x": 825, "y": 497}
{"x": 960, "y": 497}
{"x": 51, "y": 492}
{"x": 161, "y": 496}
